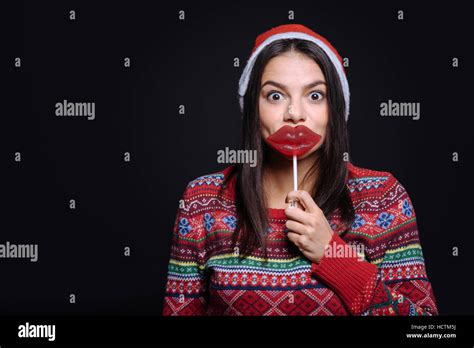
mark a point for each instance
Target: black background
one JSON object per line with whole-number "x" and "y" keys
{"x": 191, "y": 62}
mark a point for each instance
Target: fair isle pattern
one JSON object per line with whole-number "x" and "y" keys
{"x": 368, "y": 183}
{"x": 212, "y": 179}
{"x": 206, "y": 277}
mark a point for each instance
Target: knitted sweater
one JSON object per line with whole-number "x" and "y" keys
{"x": 206, "y": 277}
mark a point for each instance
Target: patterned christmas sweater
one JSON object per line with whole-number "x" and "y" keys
{"x": 206, "y": 276}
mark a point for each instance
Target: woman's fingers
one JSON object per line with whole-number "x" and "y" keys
{"x": 293, "y": 237}
{"x": 298, "y": 240}
{"x": 305, "y": 200}
{"x": 297, "y": 215}
{"x": 296, "y": 227}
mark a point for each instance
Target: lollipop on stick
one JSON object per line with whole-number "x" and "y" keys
{"x": 295, "y": 172}
{"x": 293, "y": 142}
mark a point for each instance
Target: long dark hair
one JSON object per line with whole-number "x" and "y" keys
{"x": 330, "y": 191}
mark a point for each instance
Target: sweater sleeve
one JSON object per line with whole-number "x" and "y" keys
{"x": 186, "y": 292}
{"x": 393, "y": 284}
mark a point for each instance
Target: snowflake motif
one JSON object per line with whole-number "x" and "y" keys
{"x": 358, "y": 222}
{"x": 244, "y": 279}
{"x": 407, "y": 209}
{"x": 184, "y": 226}
{"x": 208, "y": 221}
{"x": 254, "y": 279}
{"x": 230, "y": 221}
{"x": 384, "y": 220}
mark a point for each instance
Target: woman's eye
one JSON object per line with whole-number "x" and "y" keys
{"x": 274, "y": 96}
{"x": 316, "y": 96}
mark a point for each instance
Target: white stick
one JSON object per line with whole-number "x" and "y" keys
{"x": 295, "y": 174}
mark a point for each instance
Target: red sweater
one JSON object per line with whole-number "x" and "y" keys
{"x": 206, "y": 277}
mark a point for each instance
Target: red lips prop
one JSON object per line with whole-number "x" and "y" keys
{"x": 293, "y": 141}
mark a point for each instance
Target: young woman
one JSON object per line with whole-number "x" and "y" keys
{"x": 347, "y": 245}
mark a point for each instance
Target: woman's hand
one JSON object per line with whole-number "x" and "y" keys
{"x": 308, "y": 228}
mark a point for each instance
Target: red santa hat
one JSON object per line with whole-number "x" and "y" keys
{"x": 294, "y": 31}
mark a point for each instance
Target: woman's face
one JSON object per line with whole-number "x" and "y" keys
{"x": 293, "y": 93}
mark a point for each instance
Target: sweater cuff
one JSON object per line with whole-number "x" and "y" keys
{"x": 351, "y": 278}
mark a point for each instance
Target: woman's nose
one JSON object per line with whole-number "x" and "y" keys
{"x": 294, "y": 113}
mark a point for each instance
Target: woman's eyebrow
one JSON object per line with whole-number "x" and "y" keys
{"x": 282, "y": 86}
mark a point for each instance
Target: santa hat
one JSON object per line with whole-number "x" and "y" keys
{"x": 294, "y": 31}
